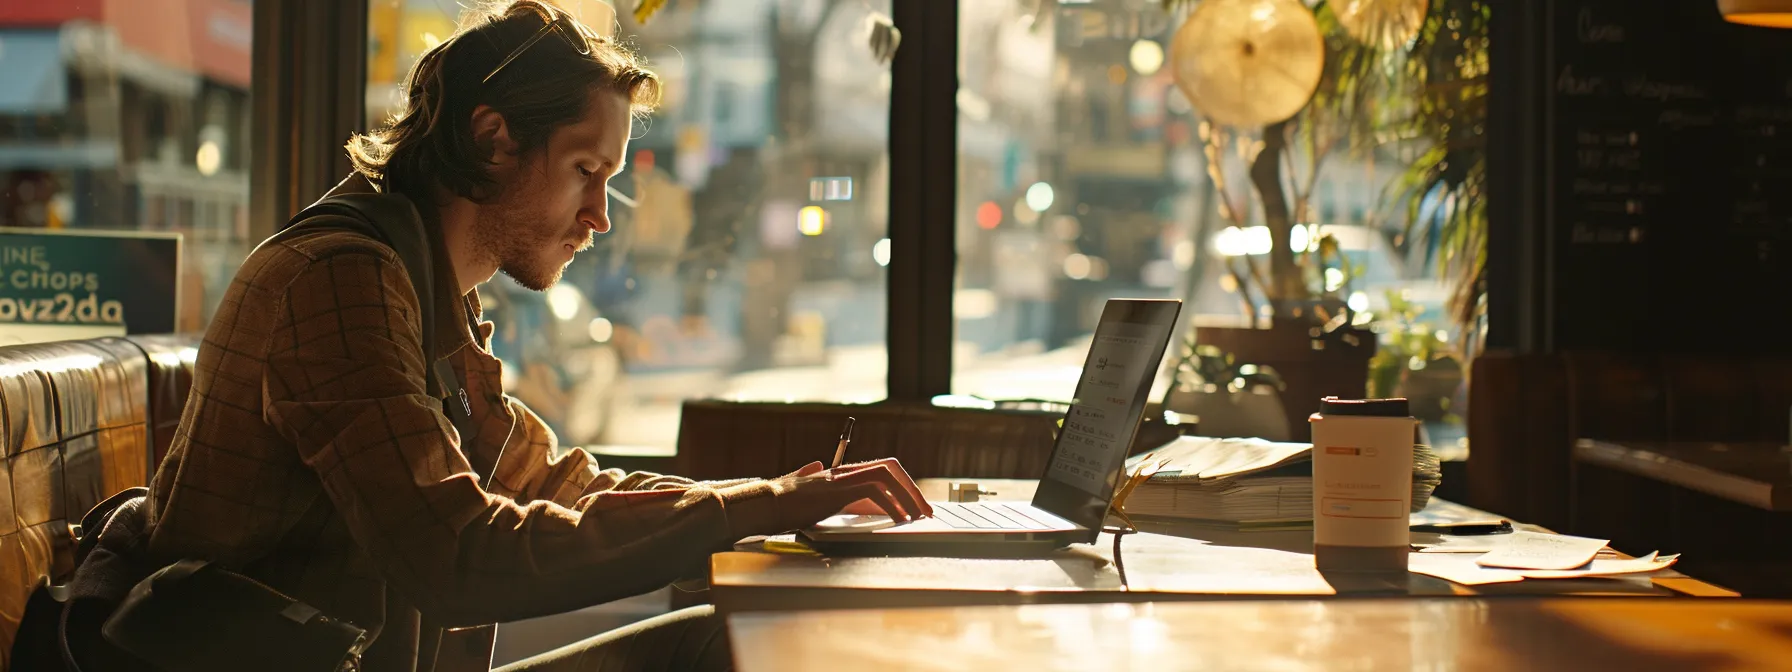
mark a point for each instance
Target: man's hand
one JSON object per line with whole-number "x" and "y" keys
{"x": 809, "y": 469}
{"x": 870, "y": 507}
{"x": 807, "y": 495}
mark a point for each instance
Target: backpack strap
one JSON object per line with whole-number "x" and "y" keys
{"x": 394, "y": 221}
{"x": 87, "y": 534}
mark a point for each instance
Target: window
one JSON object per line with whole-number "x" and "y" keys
{"x": 131, "y": 116}
{"x": 1086, "y": 173}
{"x": 750, "y": 267}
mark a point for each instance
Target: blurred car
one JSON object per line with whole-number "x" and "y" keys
{"x": 558, "y": 357}
{"x": 1383, "y": 270}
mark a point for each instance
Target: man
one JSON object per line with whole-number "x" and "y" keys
{"x": 315, "y": 455}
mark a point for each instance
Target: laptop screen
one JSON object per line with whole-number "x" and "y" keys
{"x": 1098, "y": 429}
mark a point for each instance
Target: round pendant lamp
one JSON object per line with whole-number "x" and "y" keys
{"x": 1769, "y": 13}
{"x": 1248, "y": 62}
{"x": 1385, "y": 24}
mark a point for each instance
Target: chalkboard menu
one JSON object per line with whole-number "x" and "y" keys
{"x": 1668, "y": 178}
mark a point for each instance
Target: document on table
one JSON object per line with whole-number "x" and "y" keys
{"x": 1475, "y": 544}
{"x": 1607, "y": 567}
{"x": 1461, "y": 568}
{"x": 1532, "y": 550}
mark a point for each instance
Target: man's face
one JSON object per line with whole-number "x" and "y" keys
{"x": 552, "y": 202}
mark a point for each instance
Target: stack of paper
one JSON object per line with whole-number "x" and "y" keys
{"x": 1244, "y": 483}
{"x": 1252, "y": 501}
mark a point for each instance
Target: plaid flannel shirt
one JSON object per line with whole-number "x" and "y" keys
{"x": 313, "y": 455}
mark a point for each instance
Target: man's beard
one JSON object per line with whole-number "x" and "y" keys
{"x": 519, "y": 240}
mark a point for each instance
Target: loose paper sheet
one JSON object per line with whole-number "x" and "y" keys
{"x": 1608, "y": 567}
{"x": 1532, "y": 550}
{"x": 1475, "y": 544}
{"x": 1461, "y": 568}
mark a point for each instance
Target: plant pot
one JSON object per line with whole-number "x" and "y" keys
{"x": 1431, "y": 391}
{"x": 1308, "y": 375}
{"x": 1247, "y": 413}
{"x": 1155, "y": 430}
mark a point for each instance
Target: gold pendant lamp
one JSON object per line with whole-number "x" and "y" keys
{"x": 1769, "y": 13}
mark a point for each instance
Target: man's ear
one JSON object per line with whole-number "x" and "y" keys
{"x": 492, "y": 134}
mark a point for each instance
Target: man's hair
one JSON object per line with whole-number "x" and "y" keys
{"x": 430, "y": 142}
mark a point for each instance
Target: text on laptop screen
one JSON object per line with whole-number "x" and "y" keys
{"x": 1093, "y": 441}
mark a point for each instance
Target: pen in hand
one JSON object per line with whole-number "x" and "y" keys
{"x": 845, "y": 438}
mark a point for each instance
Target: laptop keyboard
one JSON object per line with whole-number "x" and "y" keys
{"x": 986, "y": 516}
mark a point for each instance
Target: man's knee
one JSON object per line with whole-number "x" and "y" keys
{"x": 694, "y": 638}
{"x": 704, "y": 645}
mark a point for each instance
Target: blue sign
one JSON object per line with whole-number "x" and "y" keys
{"x": 65, "y": 284}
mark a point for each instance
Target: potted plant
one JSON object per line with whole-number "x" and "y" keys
{"x": 1292, "y": 284}
{"x": 1442, "y": 194}
{"x": 1227, "y": 396}
{"x": 1405, "y": 78}
{"x": 1443, "y": 191}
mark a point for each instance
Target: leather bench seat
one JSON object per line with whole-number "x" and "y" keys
{"x": 79, "y": 421}
{"x": 170, "y": 378}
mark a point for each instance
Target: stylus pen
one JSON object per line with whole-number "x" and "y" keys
{"x": 1466, "y": 528}
{"x": 845, "y": 438}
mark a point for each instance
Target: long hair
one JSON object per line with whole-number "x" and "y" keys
{"x": 429, "y": 144}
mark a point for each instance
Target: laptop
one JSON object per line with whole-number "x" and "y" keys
{"x": 1086, "y": 463}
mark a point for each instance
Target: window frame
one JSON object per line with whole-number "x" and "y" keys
{"x": 923, "y": 196}
{"x": 305, "y": 91}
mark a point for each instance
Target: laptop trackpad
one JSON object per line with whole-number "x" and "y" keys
{"x": 854, "y": 523}
{"x": 881, "y": 525}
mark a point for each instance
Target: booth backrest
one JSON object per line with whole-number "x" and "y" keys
{"x": 1526, "y": 412}
{"x": 728, "y": 439}
{"x": 721, "y": 439}
{"x": 170, "y": 378}
{"x": 79, "y": 421}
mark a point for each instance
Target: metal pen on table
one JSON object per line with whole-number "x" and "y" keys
{"x": 845, "y": 438}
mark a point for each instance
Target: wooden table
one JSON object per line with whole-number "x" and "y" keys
{"x": 1469, "y": 634}
{"x": 1757, "y": 474}
{"x": 1160, "y": 566}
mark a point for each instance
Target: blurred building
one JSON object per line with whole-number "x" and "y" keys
{"x": 130, "y": 114}
{"x": 729, "y": 241}
{"x": 1067, "y": 192}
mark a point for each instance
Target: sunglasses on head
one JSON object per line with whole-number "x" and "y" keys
{"x": 554, "y": 23}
